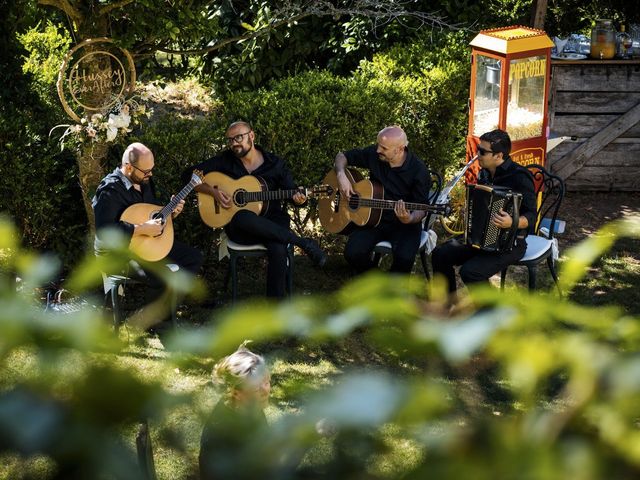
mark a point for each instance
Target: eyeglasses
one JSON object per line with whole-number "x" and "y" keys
{"x": 144, "y": 172}
{"x": 483, "y": 151}
{"x": 237, "y": 138}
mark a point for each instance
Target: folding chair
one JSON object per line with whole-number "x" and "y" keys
{"x": 542, "y": 246}
{"x": 428, "y": 237}
{"x": 235, "y": 251}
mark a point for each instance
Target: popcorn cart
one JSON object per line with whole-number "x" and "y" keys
{"x": 509, "y": 90}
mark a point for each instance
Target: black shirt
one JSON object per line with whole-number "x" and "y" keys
{"x": 226, "y": 444}
{"x": 114, "y": 194}
{"x": 273, "y": 171}
{"x": 519, "y": 179}
{"x": 409, "y": 182}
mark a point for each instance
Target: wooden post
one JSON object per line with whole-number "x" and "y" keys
{"x": 538, "y": 13}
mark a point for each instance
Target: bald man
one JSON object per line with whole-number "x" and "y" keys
{"x": 404, "y": 177}
{"x": 132, "y": 182}
{"x": 244, "y": 157}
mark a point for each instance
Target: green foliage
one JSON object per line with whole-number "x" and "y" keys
{"x": 410, "y": 86}
{"x": 38, "y": 186}
{"x": 47, "y": 48}
{"x": 568, "y": 373}
{"x": 579, "y": 16}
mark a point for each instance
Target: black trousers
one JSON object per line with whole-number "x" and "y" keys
{"x": 273, "y": 232}
{"x": 476, "y": 266}
{"x": 404, "y": 239}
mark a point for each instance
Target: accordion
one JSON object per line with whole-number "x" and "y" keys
{"x": 484, "y": 201}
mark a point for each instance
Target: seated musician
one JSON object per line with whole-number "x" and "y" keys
{"x": 404, "y": 177}
{"x": 497, "y": 169}
{"x": 132, "y": 183}
{"x": 244, "y": 157}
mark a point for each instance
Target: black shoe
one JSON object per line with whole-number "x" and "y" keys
{"x": 313, "y": 250}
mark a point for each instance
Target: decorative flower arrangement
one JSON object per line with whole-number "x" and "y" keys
{"x": 105, "y": 127}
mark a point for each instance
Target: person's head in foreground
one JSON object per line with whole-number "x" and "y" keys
{"x": 244, "y": 377}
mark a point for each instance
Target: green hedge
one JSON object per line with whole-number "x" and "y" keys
{"x": 38, "y": 182}
{"x": 306, "y": 119}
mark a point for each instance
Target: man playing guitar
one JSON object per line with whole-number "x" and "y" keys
{"x": 129, "y": 184}
{"x": 244, "y": 157}
{"x": 404, "y": 177}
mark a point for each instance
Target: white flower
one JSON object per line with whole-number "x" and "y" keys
{"x": 112, "y": 132}
{"x": 122, "y": 120}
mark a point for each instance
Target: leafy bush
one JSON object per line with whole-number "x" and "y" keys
{"x": 38, "y": 185}
{"x": 569, "y": 374}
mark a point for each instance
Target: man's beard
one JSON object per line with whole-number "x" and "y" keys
{"x": 241, "y": 151}
{"x": 142, "y": 181}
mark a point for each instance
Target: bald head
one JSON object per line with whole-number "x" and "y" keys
{"x": 134, "y": 152}
{"x": 392, "y": 144}
{"x": 394, "y": 135}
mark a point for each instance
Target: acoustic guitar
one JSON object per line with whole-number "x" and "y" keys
{"x": 247, "y": 193}
{"x": 156, "y": 248}
{"x": 364, "y": 209}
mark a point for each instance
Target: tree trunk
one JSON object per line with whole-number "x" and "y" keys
{"x": 538, "y": 13}
{"x": 92, "y": 156}
{"x": 90, "y": 171}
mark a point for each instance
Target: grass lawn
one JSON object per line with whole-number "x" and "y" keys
{"x": 613, "y": 280}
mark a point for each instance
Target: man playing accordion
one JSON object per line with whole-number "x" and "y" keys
{"x": 499, "y": 170}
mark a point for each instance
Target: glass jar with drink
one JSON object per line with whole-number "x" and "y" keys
{"x": 603, "y": 40}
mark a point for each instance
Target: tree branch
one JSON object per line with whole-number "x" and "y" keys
{"x": 227, "y": 41}
{"x": 64, "y": 5}
{"x": 108, "y": 8}
{"x": 381, "y": 12}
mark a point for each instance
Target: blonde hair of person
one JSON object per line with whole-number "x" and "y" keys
{"x": 241, "y": 370}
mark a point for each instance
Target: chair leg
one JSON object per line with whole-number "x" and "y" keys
{"x": 425, "y": 268}
{"x": 118, "y": 317}
{"x": 503, "y": 277}
{"x": 174, "y": 309}
{"x": 290, "y": 271}
{"x": 554, "y": 275}
{"x": 532, "y": 276}
{"x": 233, "y": 259}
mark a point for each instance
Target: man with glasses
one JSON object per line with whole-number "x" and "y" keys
{"x": 497, "y": 168}
{"x": 244, "y": 157}
{"x": 405, "y": 178}
{"x": 132, "y": 183}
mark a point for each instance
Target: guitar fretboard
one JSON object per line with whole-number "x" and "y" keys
{"x": 270, "y": 195}
{"x": 383, "y": 204}
{"x": 169, "y": 207}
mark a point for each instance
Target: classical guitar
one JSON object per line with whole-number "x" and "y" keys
{"x": 364, "y": 209}
{"x": 247, "y": 193}
{"x": 156, "y": 248}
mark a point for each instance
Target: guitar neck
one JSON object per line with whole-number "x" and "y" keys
{"x": 170, "y": 207}
{"x": 271, "y": 195}
{"x": 383, "y": 204}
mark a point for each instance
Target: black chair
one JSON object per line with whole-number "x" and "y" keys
{"x": 541, "y": 245}
{"x": 239, "y": 250}
{"x": 428, "y": 237}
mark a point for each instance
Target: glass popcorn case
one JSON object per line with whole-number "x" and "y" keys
{"x": 509, "y": 90}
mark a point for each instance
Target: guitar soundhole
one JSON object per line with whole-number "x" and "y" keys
{"x": 156, "y": 215}
{"x": 354, "y": 202}
{"x": 238, "y": 198}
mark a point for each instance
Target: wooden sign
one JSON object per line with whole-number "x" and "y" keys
{"x": 94, "y": 76}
